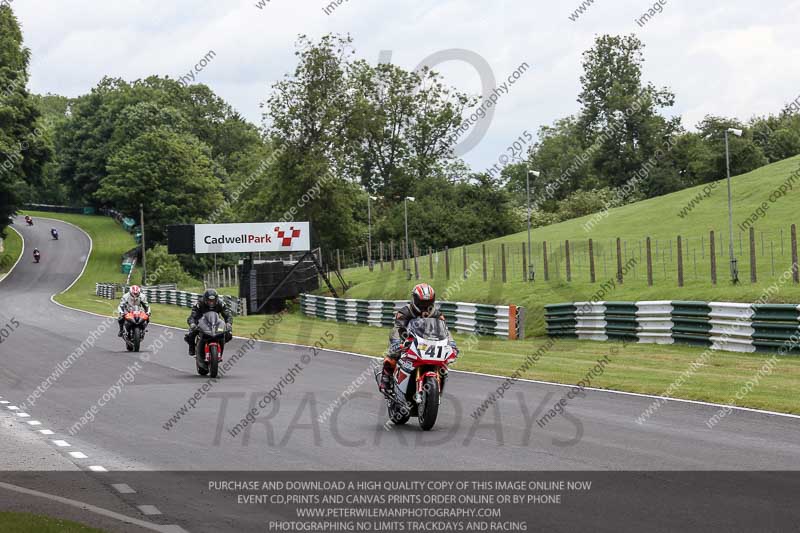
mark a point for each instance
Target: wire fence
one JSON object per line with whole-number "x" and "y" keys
{"x": 758, "y": 255}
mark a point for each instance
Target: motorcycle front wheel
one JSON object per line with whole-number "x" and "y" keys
{"x": 429, "y": 407}
{"x": 213, "y": 363}
{"x": 397, "y": 414}
{"x": 137, "y": 339}
{"x": 202, "y": 367}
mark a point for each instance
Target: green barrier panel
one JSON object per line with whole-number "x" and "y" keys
{"x": 128, "y": 224}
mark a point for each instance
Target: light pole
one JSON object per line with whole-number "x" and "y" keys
{"x": 144, "y": 250}
{"x": 536, "y": 173}
{"x": 734, "y": 270}
{"x": 369, "y": 229}
{"x": 405, "y": 209}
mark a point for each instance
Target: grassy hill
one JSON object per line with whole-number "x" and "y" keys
{"x": 657, "y": 218}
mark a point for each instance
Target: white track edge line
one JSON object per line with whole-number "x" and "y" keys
{"x": 539, "y": 382}
{"x": 88, "y": 507}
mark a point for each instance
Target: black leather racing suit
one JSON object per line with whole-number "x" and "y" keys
{"x": 201, "y": 308}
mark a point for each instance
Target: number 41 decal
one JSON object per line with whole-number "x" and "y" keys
{"x": 433, "y": 352}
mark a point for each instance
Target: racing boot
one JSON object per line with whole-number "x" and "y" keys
{"x": 189, "y": 340}
{"x": 385, "y": 384}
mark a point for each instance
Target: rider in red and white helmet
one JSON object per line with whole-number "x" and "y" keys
{"x": 422, "y": 305}
{"x": 132, "y": 298}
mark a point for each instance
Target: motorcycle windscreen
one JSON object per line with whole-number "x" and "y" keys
{"x": 211, "y": 325}
{"x": 429, "y": 328}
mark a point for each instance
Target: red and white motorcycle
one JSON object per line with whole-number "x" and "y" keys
{"x": 427, "y": 354}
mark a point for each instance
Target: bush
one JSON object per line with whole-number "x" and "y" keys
{"x": 165, "y": 268}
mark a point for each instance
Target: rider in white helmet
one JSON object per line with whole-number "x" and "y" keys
{"x": 132, "y": 298}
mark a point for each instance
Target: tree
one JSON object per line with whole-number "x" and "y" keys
{"x": 165, "y": 268}
{"x": 170, "y": 173}
{"x": 745, "y": 154}
{"x": 23, "y": 152}
{"x": 402, "y": 126}
{"x": 117, "y": 112}
{"x": 619, "y": 111}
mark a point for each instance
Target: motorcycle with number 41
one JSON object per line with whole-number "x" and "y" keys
{"x": 134, "y": 328}
{"x": 421, "y": 373}
{"x": 210, "y": 343}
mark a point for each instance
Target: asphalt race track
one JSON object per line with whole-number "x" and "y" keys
{"x": 128, "y": 433}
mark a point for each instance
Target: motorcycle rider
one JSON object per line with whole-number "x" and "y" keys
{"x": 210, "y": 301}
{"x": 130, "y": 299}
{"x": 54, "y": 233}
{"x": 36, "y": 254}
{"x": 29, "y": 220}
{"x": 422, "y": 305}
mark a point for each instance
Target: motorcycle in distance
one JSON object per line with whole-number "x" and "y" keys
{"x": 212, "y": 337}
{"x": 427, "y": 354}
{"x": 134, "y": 328}
{"x": 54, "y": 233}
{"x": 29, "y": 220}
{"x": 36, "y": 256}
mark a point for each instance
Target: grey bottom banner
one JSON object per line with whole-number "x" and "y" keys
{"x": 407, "y": 501}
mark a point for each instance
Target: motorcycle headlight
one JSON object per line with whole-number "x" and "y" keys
{"x": 220, "y": 328}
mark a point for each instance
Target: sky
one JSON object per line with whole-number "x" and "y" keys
{"x": 732, "y": 58}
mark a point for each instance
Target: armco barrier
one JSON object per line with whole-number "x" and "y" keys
{"x": 561, "y": 320}
{"x": 498, "y": 320}
{"x": 158, "y": 295}
{"x": 726, "y": 326}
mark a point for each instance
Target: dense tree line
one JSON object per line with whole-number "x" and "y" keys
{"x": 24, "y": 147}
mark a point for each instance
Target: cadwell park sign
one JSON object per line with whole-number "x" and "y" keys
{"x": 252, "y": 237}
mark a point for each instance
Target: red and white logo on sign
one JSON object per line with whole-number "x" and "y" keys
{"x": 287, "y": 241}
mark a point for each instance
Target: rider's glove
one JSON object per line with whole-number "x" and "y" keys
{"x": 394, "y": 346}
{"x": 452, "y": 344}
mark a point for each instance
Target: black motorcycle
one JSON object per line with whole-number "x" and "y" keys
{"x": 54, "y": 233}
{"x": 210, "y": 343}
{"x": 36, "y": 256}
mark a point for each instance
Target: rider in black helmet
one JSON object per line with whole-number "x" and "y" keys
{"x": 210, "y": 301}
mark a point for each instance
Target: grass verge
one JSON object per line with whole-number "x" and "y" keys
{"x": 30, "y": 523}
{"x": 12, "y": 247}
